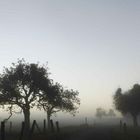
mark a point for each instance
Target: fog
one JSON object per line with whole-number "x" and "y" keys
{"x": 89, "y": 46}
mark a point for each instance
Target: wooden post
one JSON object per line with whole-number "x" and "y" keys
{"x": 57, "y": 126}
{"x": 32, "y": 128}
{"x": 44, "y": 126}
{"x": 37, "y": 127}
{"x": 52, "y": 126}
{"x": 2, "y": 130}
{"x": 124, "y": 128}
{"x": 120, "y": 125}
{"x": 86, "y": 122}
{"x": 10, "y": 127}
{"x": 22, "y": 130}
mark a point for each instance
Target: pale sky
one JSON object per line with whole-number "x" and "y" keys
{"x": 92, "y": 46}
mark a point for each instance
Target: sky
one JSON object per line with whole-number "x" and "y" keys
{"x": 92, "y": 46}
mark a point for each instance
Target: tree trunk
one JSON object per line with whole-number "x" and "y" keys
{"x": 27, "y": 120}
{"x": 135, "y": 121}
{"x": 48, "y": 120}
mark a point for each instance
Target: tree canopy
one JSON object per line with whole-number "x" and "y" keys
{"x": 26, "y": 85}
{"x": 21, "y": 85}
{"x": 128, "y": 102}
{"x": 60, "y": 100}
{"x": 100, "y": 112}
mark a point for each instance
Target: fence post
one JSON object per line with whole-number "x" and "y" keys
{"x": 52, "y": 126}
{"x": 22, "y": 130}
{"x": 37, "y": 127}
{"x": 10, "y": 127}
{"x": 86, "y": 122}
{"x": 32, "y": 129}
{"x": 124, "y": 128}
{"x": 44, "y": 126}
{"x": 57, "y": 126}
{"x": 2, "y": 130}
{"x": 120, "y": 125}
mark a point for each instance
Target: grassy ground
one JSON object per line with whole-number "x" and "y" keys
{"x": 130, "y": 134}
{"x": 85, "y": 133}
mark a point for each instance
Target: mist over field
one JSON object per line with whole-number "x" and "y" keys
{"x": 69, "y": 69}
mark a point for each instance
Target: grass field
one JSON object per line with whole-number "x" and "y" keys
{"x": 84, "y": 133}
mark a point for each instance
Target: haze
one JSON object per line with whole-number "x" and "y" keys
{"x": 92, "y": 46}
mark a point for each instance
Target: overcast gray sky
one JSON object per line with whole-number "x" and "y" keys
{"x": 92, "y": 46}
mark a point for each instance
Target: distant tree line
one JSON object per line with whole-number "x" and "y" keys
{"x": 27, "y": 85}
{"x": 101, "y": 112}
{"x": 128, "y": 102}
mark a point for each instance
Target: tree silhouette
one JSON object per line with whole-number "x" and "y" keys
{"x": 21, "y": 85}
{"x": 100, "y": 112}
{"x": 60, "y": 100}
{"x": 111, "y": 113}
{"x": 128, "y": 102}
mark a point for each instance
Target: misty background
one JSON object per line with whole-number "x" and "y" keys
{"x": 92, "y": 46}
